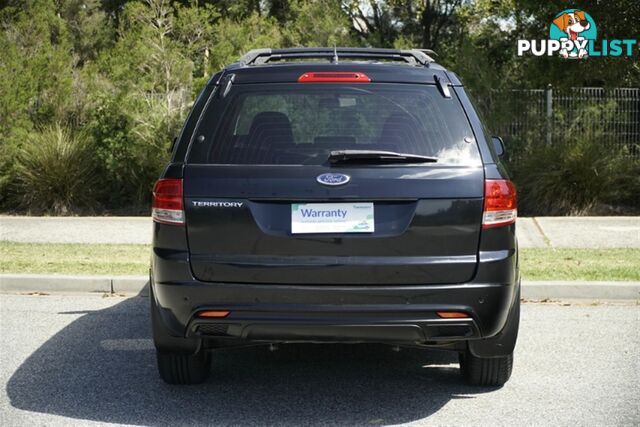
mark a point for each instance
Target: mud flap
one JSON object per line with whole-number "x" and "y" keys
{"x": 505, "y": 341}
{"x": 162, "y": 339}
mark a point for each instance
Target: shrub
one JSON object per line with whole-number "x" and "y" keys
{"x": 131, "y": 142}
{"x": 55, "y": 172}
{"x": 576, "y": 174}
{"x": 9, "y": 145}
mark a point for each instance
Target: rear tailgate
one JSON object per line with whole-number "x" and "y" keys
{"x": 427, "y": 225}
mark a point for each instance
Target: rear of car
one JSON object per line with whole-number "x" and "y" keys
{"x": 352, "y": 201}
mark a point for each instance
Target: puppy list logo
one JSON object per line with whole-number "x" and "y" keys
{"x": 573, "y": 35}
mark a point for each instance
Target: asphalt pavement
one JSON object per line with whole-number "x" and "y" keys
{"x": 538, "y": 232}
{"x": 79, "y": 360}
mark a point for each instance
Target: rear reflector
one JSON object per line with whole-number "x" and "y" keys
{"x": 500, "y": 206}
{"x": 214, "y": 314}
{"x": 334, "y": 77}
{"x": 167, "y": 207}
{"x": 452, "y": 314}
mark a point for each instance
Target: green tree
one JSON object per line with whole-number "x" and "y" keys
{"x": 194, "y": 29}
{"x": 315, "y": 23}
{"x": 36, "y": 78}
{"x": 233, "y": 37}
{"x": 147, "y": 82}
{"x": 423, "y": 24}
{"x": 89, "y": 28}
{"x": 126, "y": 71}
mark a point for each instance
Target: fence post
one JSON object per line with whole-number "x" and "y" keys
{"x": 548, "y": 93}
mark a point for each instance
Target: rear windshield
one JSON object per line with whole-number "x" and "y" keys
{"x": 298, "y": 124}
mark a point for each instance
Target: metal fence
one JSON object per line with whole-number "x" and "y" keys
{"x": 523, "y": 115}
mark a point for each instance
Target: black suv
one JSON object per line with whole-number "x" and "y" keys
{"x": 344, "y": 195}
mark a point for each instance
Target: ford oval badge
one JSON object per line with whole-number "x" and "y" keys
{"x": 333, "y": 179}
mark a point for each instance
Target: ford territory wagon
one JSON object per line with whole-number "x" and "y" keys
{"x": 335, "y": 195}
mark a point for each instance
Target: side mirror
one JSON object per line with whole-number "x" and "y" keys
{"x": 498, "y": 145}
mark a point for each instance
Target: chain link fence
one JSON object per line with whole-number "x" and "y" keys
{"x": 546, "y": 115}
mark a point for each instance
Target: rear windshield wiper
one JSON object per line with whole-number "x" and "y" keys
{"x": 377, "y": 157}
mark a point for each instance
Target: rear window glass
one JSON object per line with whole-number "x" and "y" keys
{"x": 302, "y": 123}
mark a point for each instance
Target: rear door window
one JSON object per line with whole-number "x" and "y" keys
{"x": 298, "y": 124}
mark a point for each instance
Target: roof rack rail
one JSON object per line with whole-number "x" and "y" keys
{"x": 263, "y": 56}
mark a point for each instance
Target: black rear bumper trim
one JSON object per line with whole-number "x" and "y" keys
{"x": 392, "y": 331}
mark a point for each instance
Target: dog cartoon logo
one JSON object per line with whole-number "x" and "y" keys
{"x": 573, "y": 35}
{"x": 575, "y": 27}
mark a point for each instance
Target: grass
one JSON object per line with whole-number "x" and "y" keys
{"x": 580, "y": 264}
{"x": 72, "y": 258}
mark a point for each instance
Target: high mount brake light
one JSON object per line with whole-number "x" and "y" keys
{"x": 500, "y": 205}
{"x": 334, "y": 77}
{"x": 167, "y": 207}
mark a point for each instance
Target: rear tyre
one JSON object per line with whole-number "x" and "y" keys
{"x": 485, "y": 371}
{"x": 180, "y": 368}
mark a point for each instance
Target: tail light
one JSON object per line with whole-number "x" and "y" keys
{"x": 334, "y": 77}
{"x": 500, "y": 207}
{"x": 167, "y": 207}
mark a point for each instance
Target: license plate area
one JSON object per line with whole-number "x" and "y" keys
{"x": 315, "y": 218}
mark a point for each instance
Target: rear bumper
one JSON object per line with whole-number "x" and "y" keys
{"x": 279, "y": 313}
{"x": 400, "y": 314}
